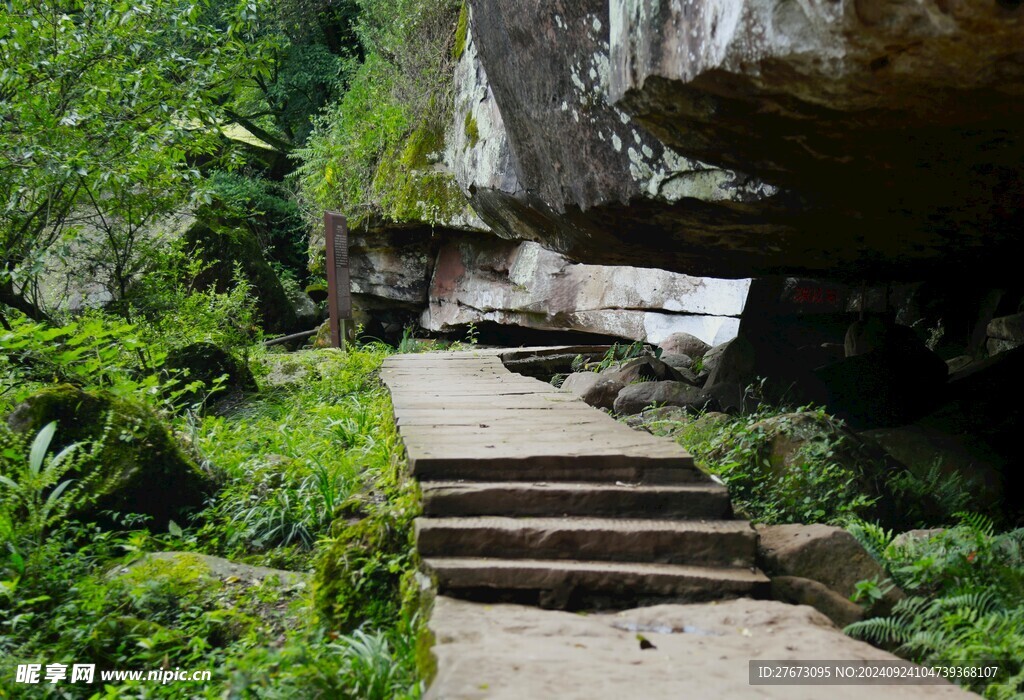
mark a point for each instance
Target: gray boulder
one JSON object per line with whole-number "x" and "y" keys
{"x": 683, "y": 344}
{"x": 636, "y": 397}
{"x": 804, "y": 591}
{"x": 1009, "y": 328}
{"x": 823, "y": 553}
{"x": 677, "y": 361}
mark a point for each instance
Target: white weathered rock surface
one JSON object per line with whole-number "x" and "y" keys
{"x": 701, "y": 651}
{"x": 485, "y": 279}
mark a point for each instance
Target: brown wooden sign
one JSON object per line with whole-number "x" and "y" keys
{"x": 339, "y": 282}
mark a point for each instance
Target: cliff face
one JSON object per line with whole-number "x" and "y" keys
{"x": 867, "y": 138}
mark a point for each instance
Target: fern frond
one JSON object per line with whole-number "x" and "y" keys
{"x": 879, "y": 630}
{"x": 978, "y": 523}
{"x": 872, "y": 537}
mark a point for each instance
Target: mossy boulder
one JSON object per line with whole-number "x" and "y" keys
{"x": 169, "y": 597}
{"x": 141, "y": 469}
{"x": 225, "y": 244}
{"x": 359, "y": 575}
{"x": 207, "y": 363}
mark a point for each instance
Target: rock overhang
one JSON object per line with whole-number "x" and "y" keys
{"x": 845, "y": 139}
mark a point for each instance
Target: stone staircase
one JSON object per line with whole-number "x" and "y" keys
{"x": 579, "y": 544}
{"x": 560, "y": 507}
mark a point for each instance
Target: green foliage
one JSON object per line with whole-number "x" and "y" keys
{"x": 966, "y": 587}
{"x": 94, "y": 351}
{"x": 349, "y": 141}
{"x": 295, "y": 452}
{"x": 360, "y": 569}
{"x": 316, "y": 446}
{"x": 133, "y": 451}
{"x": 933, "y": 492}
{"x": 408, "y": 343}
{"x": 270, "y": 210}
{"x": 811, "y": 487}
{"x": 471, "y": 129}
{"x": 36, "y": 489}
{"x": 103, "y": 109}
{"x": 615, "y": 356}
{"x": 370, "y": 153}
{"x": 177, "y": 308}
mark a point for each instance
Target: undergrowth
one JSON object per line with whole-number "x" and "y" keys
{"x": 314, "y": 453}
{"x": 965, "y": 602}
{"x": 810, "y": 485}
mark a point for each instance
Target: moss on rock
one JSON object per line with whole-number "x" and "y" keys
{"x": 207, "y": 363}
{"x": 461, "y": 33}
{"x": 471, "y": 129}
{"x": 140, "y": 468}
{"x": 359, "y": 574}
{"x": 408, "y": 188}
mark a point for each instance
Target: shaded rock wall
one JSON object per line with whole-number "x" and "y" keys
{"x": 550, "y": 160}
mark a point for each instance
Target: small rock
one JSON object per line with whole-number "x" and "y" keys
{"x": 677, "y": 361}
{"x": 1009, "y": 328}
{"x": 823, "y": 553}
{"x": 636, "y": 397}
{"x": 998, "y": 345}
{"x": 912, "y": 537}
{"x": 959, "y": 363}
{"x": 322, "y": 339}
{"x": 664, "y": 420}
{"x": 804, "y": 591}
{"x": 684, "y": 344}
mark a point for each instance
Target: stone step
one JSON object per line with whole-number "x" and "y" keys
{"x": 681, "y": 501}
{"x": 499, "y": 466}
{"x": 575, "y": 584}
{"x": 721, "y": 543}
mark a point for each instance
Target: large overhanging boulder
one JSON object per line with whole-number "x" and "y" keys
{"x": 864, "y": 138}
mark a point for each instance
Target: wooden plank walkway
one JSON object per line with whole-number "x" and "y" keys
{"x": 531, "y": 494}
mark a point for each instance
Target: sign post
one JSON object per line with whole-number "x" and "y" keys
{"x": 339, "y": 282}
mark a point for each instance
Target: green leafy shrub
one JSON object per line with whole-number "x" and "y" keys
{"x": 177, "y": 309}
{"x": 95, "y": 350}
{"x": 321, "y": 433}
{"x": 371, "y": 153}
{"x": 810, "y": 485}
{"x": 965, "y": 604}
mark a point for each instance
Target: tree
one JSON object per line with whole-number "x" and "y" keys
{"x": 106, "y": 107}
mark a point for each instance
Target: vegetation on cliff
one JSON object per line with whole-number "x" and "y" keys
{"x": 372, "y": 154}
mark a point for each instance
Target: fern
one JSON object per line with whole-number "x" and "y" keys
{"x": 978, "y": 523}
{"x": 872, "y": 537}
{"x": 967, "y": 609}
